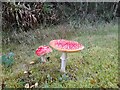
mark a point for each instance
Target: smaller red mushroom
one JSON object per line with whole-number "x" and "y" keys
{"x": 42, "y": 51}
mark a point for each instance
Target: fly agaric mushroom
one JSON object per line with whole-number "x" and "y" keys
{"x": 42, "y": 51}
{"x": 65, "y": 46}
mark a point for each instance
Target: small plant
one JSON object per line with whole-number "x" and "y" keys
{"x": 8, "y": 59}
{"x": 49, "y": 77}
{"x": 64, "y": 77}
{"x": 46, "y": 85}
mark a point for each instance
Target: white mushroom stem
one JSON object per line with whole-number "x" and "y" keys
{"x": 43, "y": 58}
{"x": 63, "y": 61}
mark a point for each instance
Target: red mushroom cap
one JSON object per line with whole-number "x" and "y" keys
{"x": 66, "y": 45}
{"x": 42, "y": 50}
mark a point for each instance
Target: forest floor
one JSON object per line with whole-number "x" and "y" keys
{"x": 94, "y": 67}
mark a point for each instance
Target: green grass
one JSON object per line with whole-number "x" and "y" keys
{"x": 94, "y": 67}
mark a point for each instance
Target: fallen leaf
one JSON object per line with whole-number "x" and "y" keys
{"x": 92, "y": 81}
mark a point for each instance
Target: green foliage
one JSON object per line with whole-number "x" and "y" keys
{"x": 47, "y": 8}
{"x": 65, "y": 77}
{"x": 8, "y": 60}
{"x": 49, "y": 77}
{"x": 39, "y": 59}
{"x": 46, "y": 85}
{"x": 21, "y": 82}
